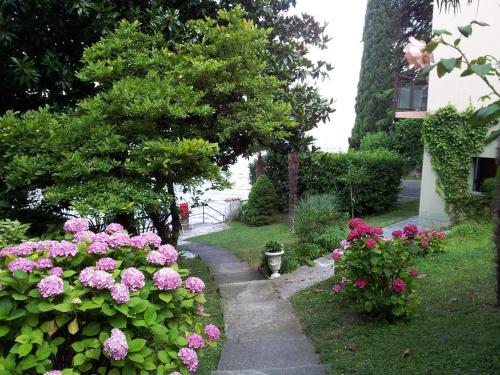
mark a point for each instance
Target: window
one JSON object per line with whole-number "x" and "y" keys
{"x": 483, "y": 168}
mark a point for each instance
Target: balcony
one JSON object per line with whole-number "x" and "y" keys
{"x": 410, "y": 97}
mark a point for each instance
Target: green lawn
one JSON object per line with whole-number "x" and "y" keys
{"x": 208, "y": 357}
{"x": 247, "y": 242}
{"x": 456, "y": 329}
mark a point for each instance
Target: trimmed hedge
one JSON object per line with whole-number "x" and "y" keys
{"x": 374, "y": 177}
{"x": 259, "y": 209}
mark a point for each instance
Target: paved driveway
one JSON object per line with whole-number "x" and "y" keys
{"x": 410, "y": 189}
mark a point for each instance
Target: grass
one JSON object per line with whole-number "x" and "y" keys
{"x": 455, "y": 330}
{"x": 208, "y": 357}
{"x": 247, "y": 242}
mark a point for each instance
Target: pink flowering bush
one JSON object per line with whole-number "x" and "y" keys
{"x": 99, "y": 303}
{"x": 376, "y": 273}
{"x": 423, "y": 242}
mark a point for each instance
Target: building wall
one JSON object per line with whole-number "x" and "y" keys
{"x": 459, "y": 91}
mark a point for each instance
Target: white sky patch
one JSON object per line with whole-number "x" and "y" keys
{"x": 345, "y": 26}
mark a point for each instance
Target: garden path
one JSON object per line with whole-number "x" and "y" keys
{"x": 263, "y": 336}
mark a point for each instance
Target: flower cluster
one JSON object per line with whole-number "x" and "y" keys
{"x": 166, "y": 279}
{"x": 116, "y": 346}
{"x": 189, "y": 358}
{"x": 194, "y": 284}
{"x": 421, "y": 242}
{"x": 76, "y": 225}
{"x": 360, "y": 229}
{"x": 51, "y": 286}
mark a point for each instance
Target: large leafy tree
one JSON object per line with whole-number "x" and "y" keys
{"x": 161, "y": 117}
{"x": 388, "y": 24}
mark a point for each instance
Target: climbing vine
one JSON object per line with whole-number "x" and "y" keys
{"x": 452, "y": 141}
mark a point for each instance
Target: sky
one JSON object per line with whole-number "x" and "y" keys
{"x": 345, "y": 26}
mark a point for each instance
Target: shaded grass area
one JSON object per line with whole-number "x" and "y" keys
{"x": 208, "y": 357}
{"x": 247, "y": 242}
{"x": 456, "y": 329}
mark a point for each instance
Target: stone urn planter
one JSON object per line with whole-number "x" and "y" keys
{"x": 274, "y": 262}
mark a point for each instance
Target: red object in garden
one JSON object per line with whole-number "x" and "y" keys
{"x": 184, "y": 211}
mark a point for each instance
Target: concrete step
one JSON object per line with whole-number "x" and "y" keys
{"x": 248, "y": 275}
{"x": 302, "y": 370}
{"x": 267, "y": 354}
{"x": 268, "y": 319}
{"x": 248, "y": 292}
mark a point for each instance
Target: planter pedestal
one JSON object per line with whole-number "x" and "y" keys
{"x": 274, "y": 262}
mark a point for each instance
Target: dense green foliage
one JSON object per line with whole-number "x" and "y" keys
{"x": 452, "y": 141}
{"x": 457, "y": 286}
{"x": 259, "y": 209}
{"x": 147, "y": 130}
{"x": 388, "y": 24}
{"x": 12, "y": 231}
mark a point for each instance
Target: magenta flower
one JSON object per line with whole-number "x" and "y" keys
{"x": 101, "y": 237}
{"x": 442, "y": 236}
{"x": 120, "y": 293}
{"x": 398, "y": 234}
{"x": 62, "y": 249}
{"x": 337, "y": 254}
{"x": 343, "y": 281}
{"x": 102, "y": 280}
{"x": 424, "y": 243}
{"x": 106, "y": 264}
{"x": 413, "y": 272}
{"x": 51, "y": 286}
{"x": 119, "y": 239}
{"x": 133, "y": 278}
{"x": 194, "y": 284}
{"x": 370, "y": 243}
{"x": 56, "y": 271}
{"x": 97, "y": 248}
{"x": 337, "y": 288}
{"x": 166, "y": 279}
{"x": 189, "y": 358}
{"x": 22, "y": 264}
{"x": 116, "y": 346}
{"x": 170, "y": 254}
{"x": 398, "y": 285}
{"x": 410, "y": 230}
{"x": 76, "y": 225}
{"x": 212, "y": 332}
{"x": 195, "y": 341}
{"x": 354, "y": 223}
{"x": 345, "y": 244}
{"x": 114, "y": 227}
{"x": 156, "y": 257}
{"x": 360, "y": 283}
{"x": 152, "y": 238}
{"x": 138, "y": 241}
{"x": 44, "y": 263}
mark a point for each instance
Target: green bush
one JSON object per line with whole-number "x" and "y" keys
{"x": 314, "y": 214}
{"x": 12, "y": 232}
{"x": 259, "y": 209}
{"x": 330, "y": 238}
{"x": 377, "y": 140}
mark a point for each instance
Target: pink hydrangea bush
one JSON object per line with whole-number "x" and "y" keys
{"x": 94, "y": 302}
{"x": 422, "y": 242}
{"x": 376, "y": 273}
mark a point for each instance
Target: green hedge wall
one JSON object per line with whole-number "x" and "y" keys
{"x": 374, "y": 177}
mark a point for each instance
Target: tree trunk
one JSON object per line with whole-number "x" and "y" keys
{"x": 160, "y": 225}
{"x": 496, "y": 211}
{"x": 127, "y": 220}
{"x": 259, "y": 166}
{"x": 293, "y": 175}
{"x": 174, "y": 213}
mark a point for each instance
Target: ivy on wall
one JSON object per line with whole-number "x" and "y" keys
{"x": 452, "y": 142}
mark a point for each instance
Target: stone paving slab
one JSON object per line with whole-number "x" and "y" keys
{"x": 268, "y": 319}
{"x": 228, "y": 267}
{"x": 249, "y": 275}
{"x": 302, "y": 370}
{"x": 267, "y": 353}
{"x": 249, "y": 292}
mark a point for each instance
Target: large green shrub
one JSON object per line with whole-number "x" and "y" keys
{"x": 60, "y": 302}
{"x": 12, "y": 231}
{"x": 259, "y": 209}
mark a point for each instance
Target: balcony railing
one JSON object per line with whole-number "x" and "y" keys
{"x": 410, "y": 96}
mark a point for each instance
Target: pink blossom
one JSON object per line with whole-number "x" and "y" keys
{"x": 343, "y": 281}
{"x": 413, "y": 272}
{"x": 101, "y": 237}
{"x": 138, "y": 241}
{"x": 337, "y": 254}
{"x": 53, "y": 372}
{"x": 76, "y": 225}
{"x": 152, "y": 238}
{"x": 200, "y": 309}
{"x": 86, "y": 275}
{"x": 345, "y": 244}
{"x": 22, "y": 264}
{"x": 101, "y": 280}
{"x": 370, "y": 243}
{"x": 133, "y": 278}
{"x": 354, "y": 223}
{"x": 118, "y": 239}
{"x": 44, "y": 263}
{"x": 84, "y": 236}
{"x": 337, "y": 288}
{"x": 62, "y": 249}
{"x": 114, "y": 227}
{"x": 195, "y": 341}
{"x": 170, "y": 254}
{"x": 120, "y": 293}
{"x": 410, "y": 230}
{"x": 97, "y": 248}
{"x": 51, "y": 286}
{"x": 116, "y": 346}
{"x": 194, "y": 284}
{"x": 416, "y": 54}
{"x": 57, "y": 271}
{"x": 442, "y": 236}
{"x": 156, "y": 257}
{"x": 424, "y": 244}
{"x": 398, "y": 234}
{"x": 189, "y": 358}
{"x": 360, "y": 283}
{"x": 398, "y": 285}
{"x": 166, "y": 279}
{"x": 212, "y": 332}
{"x": 106, "y": 264}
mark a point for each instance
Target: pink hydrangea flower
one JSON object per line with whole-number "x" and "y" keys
{"x": 53, "y": 372}
{"x": 22, "y": 264}
{"x": 152, "y": 238}
{"x": 337, "y": 254}
{"x": 118, "y": 239}
{"x": 76, "y": 225}
{"x": 337, "y": 288}
{"x": 398, "y": 234}
{"x": 101, "y": 280}
{"x": 51, "y": 286}
{"x": 442, "y": 235}
{"x": 189, "y": 358}
{"x": 84, "y": 236}
{"x": 116, "y": 346}
{"x": 194, "y": 284}
{"x": 424, "y": 243}
{"x": 354, "y": 223}
{"x": 24, "y": 248}
{"x": 62, "y": 249}
{"x": 200, "y": 309}
{"x": 170, "y": 254}
{"x": 57, "y": 271}
{"x": 345, "y": 244}
{"x": 212, "y": 332}
{"x": 86, "y": 275}
{"x": 166, "y": 279}
{"x": 106, "y": 264}
{"x": 360, "y": 283}
{"x": 120, "y": 293}
{"x": 97, "y": 248}
{"x": 410, "y": 230}
{"x": 133, "y": 278}
{"x": 101, "y": 237}
{"x": 44, "y": 263}
{"x": 370, "y": 243}
{"x": 156, "y": 257}
{"x": 398, "y": 285}
{"x": 138, "y": 241}
{"x": 195, "y": 341}
{"x": 114, "y": 227}
{"x": 413, "y": 272}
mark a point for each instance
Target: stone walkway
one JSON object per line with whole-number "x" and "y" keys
{"x": 263, "y": 336}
